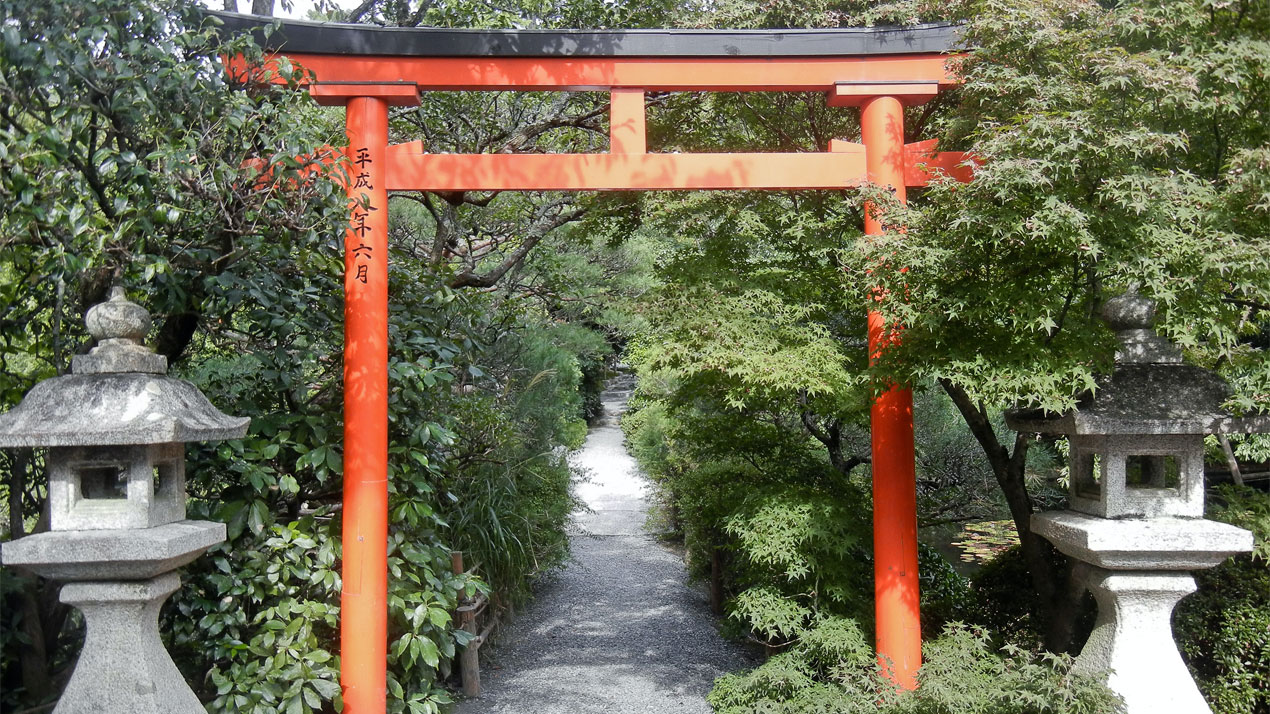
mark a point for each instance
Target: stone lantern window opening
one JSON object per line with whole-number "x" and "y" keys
{"x": 1138, "y": 475}
{"x": 103, "y": 482}
{"x": 1160, "y": 472}
{"x": 108, "y": 487}
{"x": 1087, "y": 472}
{"x": 169, "y": 480}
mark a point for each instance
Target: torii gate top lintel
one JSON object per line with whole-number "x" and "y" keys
{"x": 850, "y": 65}
{"x": 436, "y": 59}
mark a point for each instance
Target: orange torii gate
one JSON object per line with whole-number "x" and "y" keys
{"x": 368, "y": 69}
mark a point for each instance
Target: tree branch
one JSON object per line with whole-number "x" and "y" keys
{"x": 470, "y": 279}
{"x": 355, "y": 15}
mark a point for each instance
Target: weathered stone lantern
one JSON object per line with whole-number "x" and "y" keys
{"x": 115, "y": 430}
{"x": 1137, "y": 503}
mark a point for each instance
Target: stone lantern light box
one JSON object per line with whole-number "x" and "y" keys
{"x": 103, "y": 488}
{"x": 1137, "y": 442}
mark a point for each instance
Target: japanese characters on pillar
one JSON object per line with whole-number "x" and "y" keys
{"x": 360, "y": 253}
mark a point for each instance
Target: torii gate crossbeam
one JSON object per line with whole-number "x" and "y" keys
{"x": 368, "y": 69}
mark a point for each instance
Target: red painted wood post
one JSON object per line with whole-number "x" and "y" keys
{"x": 364, "y": 600}
{"x": 627, "y": 133}
{"x": 899, "y": 636}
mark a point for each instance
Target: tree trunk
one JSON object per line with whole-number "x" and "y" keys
{"x": 175, "y": 335}
{"x": 20, "y": 460}
{"x": 43, "y": 616}
{"x": 262, "y": 7}
{"x": 831, "y": 437}
{"x": 1231, "y": 461}
{"x": 716, "y": 580}
{"x": 32, "y": 655}
{"x": 1059, "y": 597}
{"x": 231, "y": 6}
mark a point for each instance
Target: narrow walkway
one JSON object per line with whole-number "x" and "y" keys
{"x": 620, "y": 630}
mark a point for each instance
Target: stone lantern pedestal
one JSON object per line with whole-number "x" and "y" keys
{"x": 1136, "y": 492}
{"x": 119, "y": 580}
{"x": 1137, "y": 570}
{"x": 123, "y": 666}
{"x": 115, "y": 430}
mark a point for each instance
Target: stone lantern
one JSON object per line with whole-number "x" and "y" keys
{"x": 1136, "y": 495}
{"x": 115, "y": 430}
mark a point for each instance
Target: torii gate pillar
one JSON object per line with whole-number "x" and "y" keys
{"x": 364, "y": 597}
{"x": 895, "y": 584}
{"x": 891, "y": 163}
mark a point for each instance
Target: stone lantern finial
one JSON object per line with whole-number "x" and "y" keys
{"x": 1133, "y": 318}
{"x": 119, "y": 326}
{"x": 118, "y": 319}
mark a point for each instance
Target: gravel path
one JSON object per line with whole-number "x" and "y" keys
{"x": 619, "y": 630}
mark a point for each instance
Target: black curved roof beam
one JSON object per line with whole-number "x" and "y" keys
{"x": 299, "y": 37}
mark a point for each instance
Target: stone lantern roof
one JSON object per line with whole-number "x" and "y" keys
{"x": 1150, "y": 391}
{"x": 119, "y": 394}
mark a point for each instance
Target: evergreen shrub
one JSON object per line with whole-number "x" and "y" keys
{"x": 832, "y": 669}
{"x": 1224, "y": 628}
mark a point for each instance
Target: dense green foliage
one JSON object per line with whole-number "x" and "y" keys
{"x": 124, "y": 150}
{"x": 833, "y": 669}
{"x": 126, "y": 160}
{"x": 1117, "y": 151}
{"x": 1224, "y": 628}
{"x": 1122, "y": 146}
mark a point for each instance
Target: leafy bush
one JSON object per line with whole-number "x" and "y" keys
{"x": 257, "y": 628}
{"x": 255, "y": 631}
{"x": 130, "y": 156}
{"x": 1000, "y": 601}
{"x": 801, "y": 555}
{"x": 832, "y": 669}
{"x": 508, "y": 485}
{"x": 1223, "y": 629}
{"x": 946, "y": 595}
